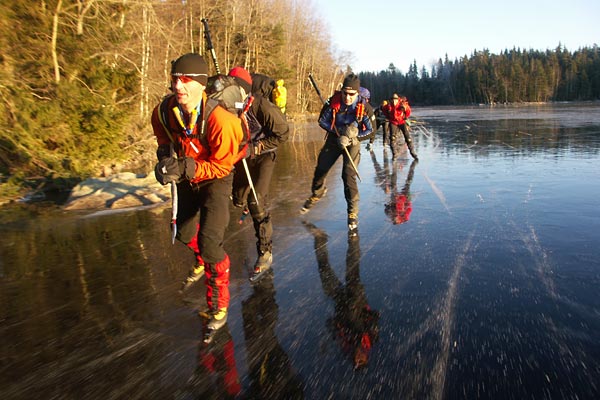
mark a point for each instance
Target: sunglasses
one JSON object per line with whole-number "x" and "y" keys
{"x": 182, "y": 78}
{"x": 349, "y": 94}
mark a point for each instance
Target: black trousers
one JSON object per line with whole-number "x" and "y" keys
{"x": 206, "y": 204}
{"x": 261, "y": 170}
{"x": 329, "y": 154}
{"x": 394, "y": 137}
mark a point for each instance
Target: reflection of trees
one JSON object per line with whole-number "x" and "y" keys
{"x": 514, "y": 136}
{"x": 304, "y": 146}
{"x": 271, "y": 373}
{"x": 86, "y": 267}
{"x": 354, "y": 324}
{"x": 75, "y": 290}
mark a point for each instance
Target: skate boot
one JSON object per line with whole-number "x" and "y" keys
{"x": 311, "y": 201}
{"x": 411, "y": 149}
{"x": 216, "y": 321}
{"x": 194, "y": 276}
{"x": 262, "y": 265}
{"x": 413, "y": 153}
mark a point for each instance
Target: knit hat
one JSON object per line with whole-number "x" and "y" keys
{"x": 351, "y": 82}
{"x": 242, "y": 77}
{"x": 192, "y": 65}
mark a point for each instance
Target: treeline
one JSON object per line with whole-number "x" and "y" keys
{"x": 483, "y": 78}
{"x": 79, "y": 79}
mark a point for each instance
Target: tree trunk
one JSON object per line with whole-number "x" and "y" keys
{"x": 53, "y": 44}
{"x": 145, "y": 58}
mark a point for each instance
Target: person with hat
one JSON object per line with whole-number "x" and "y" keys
{"x": 383, "y": 122}
{"x": 197, "y": 146}
{"x": 366, "y": 94}
{"x": 346, "y": 121}
{"x": 397, "y": 112}
{"x": 274, "y": 131}
{"x": 279, "y": 95}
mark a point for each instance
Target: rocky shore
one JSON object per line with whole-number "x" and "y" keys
{"x": 122, "y": 190}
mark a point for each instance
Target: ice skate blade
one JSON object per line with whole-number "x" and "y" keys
{"x": 258, "y": 276}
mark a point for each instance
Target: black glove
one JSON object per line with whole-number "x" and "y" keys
{"x": 171, "y": 169}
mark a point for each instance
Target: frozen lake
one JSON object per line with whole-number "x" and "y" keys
{"x": 487, "y": 288}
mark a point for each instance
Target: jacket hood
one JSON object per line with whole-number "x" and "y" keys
{"x": 262, "y": 85}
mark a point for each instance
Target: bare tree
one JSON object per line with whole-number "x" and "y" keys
{"x": 54, "y": 40}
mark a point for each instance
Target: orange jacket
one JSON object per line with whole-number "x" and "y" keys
{"x": 215, "y": 158}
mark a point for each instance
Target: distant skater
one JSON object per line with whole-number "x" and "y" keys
{"x": 397, "y": 112}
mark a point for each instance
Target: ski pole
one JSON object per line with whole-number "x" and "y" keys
{"x": 314, "y": 84}
{"x": 211, "y": 48}
{"x": 209, "y": 45}
{"x": 174, "y": 212}
{"x": 349, "y": 158}
{"x": 245, "y": 109}
{"x": 174, "y": 202}
{"x": 250, "y": 180}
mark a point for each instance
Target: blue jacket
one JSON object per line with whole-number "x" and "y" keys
{"x": 345, "y": 115}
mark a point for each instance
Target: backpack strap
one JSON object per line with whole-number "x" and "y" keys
{"x": 163, "y": 110}
{"x": 208, "y": 108}
{"x": 163, "y": 117}
{"x": 360, "y": 110}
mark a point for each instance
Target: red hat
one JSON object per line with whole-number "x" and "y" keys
{"x": 242, "y": 76}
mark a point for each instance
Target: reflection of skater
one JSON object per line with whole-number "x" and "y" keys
{"x": 216, "y": 376}
{"x": 381, "y": 174}
{"x": 354, "y": 324}
{"x": 400, "y": 204}
{"x": 270, "y": 370}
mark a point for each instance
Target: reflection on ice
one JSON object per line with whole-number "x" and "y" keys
{"x": 475, "y": 275}
{"x": 354, "y": 324}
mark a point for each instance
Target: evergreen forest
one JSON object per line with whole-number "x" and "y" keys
{"x": 514, "y": 76}
{"x": 79, "y": 78}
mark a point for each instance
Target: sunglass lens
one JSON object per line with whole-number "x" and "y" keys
{"x": 182, "y": 78}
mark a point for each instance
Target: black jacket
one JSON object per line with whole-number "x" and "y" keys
{"x": 275, "y": 128}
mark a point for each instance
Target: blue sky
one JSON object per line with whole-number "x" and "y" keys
{"x": 380, "y": 32}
